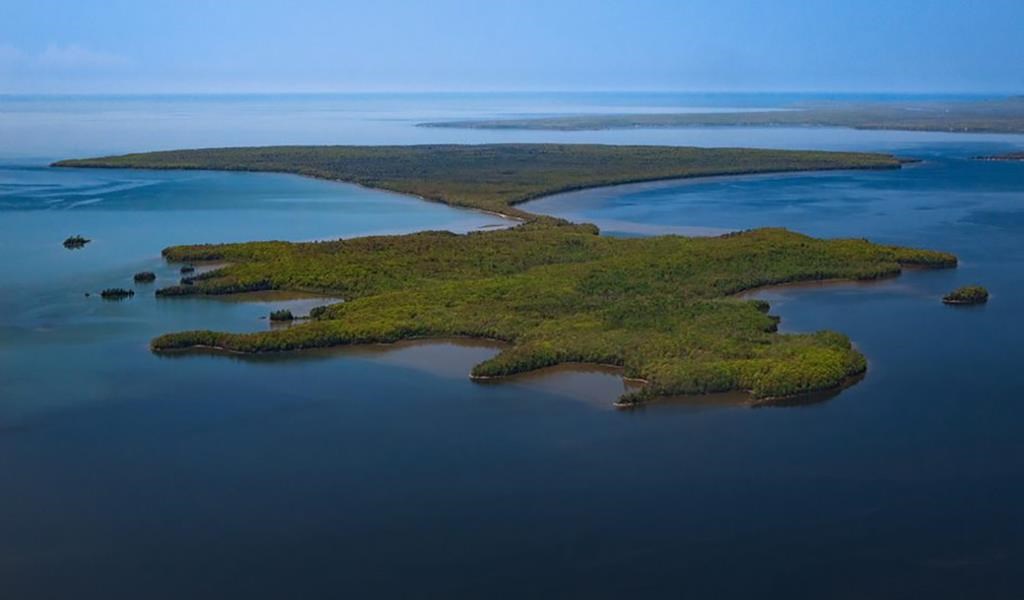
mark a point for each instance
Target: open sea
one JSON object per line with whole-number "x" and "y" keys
{"x": 384, "y": 471}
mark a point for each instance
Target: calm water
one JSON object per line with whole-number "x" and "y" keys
{"x": 386, "y": 472}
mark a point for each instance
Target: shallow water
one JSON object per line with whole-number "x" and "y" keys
{"x": 384, "y": 471}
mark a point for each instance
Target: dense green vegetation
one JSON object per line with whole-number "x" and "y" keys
{"x": 1009, "y": 156}
{"x": 661, "y": 307}
{"x": 145, "y": 277}
{"x": 493, "y": 177}
{"x": 186, "y": 269}
{"x": 116, "y": 294}
{"x": 282, "y": 315}
{"x": 989, "y": 116}
{"x": 968, "y": 294}
{"x": 75, "y": 242}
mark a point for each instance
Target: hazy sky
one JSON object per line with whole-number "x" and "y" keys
{"x": 688, "y": 45}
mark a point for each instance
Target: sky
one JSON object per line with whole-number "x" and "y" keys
{"x": 227, "y": 46}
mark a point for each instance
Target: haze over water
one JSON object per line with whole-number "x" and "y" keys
{"x": 383, "y": 471}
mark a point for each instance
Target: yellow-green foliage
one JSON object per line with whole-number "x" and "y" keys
{"x": 493, "y": 176}
{"x": 661, "y": 307}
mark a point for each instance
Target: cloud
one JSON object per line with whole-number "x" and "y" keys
{"x": 73, "y": 56}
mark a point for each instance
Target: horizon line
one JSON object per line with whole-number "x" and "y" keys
{"x": 1004, "y": 93}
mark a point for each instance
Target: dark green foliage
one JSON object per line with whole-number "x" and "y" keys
{"x": 75, "y": 242}
{"x": 282, "y": 315}
{"x": 662, "y": 307}
{"x": 968, "y": 294}
{"x": 492, "y": 177}
{"x": 186, "y": 269}
{"x": 145, "y": 277}
{"x": 116, "y": 294}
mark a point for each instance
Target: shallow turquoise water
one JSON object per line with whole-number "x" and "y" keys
{"x": 385, "y": 472}
{"x": 47, "y": 321}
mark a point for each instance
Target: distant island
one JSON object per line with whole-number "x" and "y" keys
{"x": 662, "y": 308}
{"x": 1008, "y": 156}
{"x": 494, "y": 177}
{"x": 989, "y": 116}
{"x": 75, "y": 242}
{"x": 968, "y": 294}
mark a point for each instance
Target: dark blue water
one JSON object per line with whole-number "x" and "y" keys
{"x": 385, "y": 472}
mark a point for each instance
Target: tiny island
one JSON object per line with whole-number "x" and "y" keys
{"x": 76, "y": 242}
{"x": 144, "y": 277}
{"x": 664, "y": 309}
{"x": 116, "y": 293}
{"x": 968, "y": 294}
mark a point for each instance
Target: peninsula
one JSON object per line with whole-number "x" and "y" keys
{"x": 662, "y": 308}
{"x": 494, "y": 177}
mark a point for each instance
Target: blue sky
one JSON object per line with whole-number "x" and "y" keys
{"x": 686, "y": 45}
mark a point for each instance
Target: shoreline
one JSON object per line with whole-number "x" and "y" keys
{"x": 638, "y": 184}
{"x": 747, "y": 398}
{"x": 740, "y": 125}
{"x": 744, "y": 397}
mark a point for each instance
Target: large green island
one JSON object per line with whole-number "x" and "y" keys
{"x": 663, "y": 308}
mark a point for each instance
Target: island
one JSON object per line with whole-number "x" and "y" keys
{"x": 116, "y": 294}
{"x": 1009, "y": 156}
{"x": 144, "y": 277}
{"x": 998, "y": 115}
{"x": 968, "y": 294}
{"x": 75, "y": 242}
{"x": 282, "y": 315}
{"x": 665, "y": 309}
{"x": 494, "y": 177}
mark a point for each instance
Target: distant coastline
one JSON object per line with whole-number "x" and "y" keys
{"x": 1010, "y": 156}
{"x": 987, "y": 116}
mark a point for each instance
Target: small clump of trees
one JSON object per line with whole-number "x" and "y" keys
{"x": 145, "y": 277}
{"x": 75, "y": 242}
{"x": 282, "y": 315}
{"x": 968, "y": 294}
{"x": 116, "y": 294}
